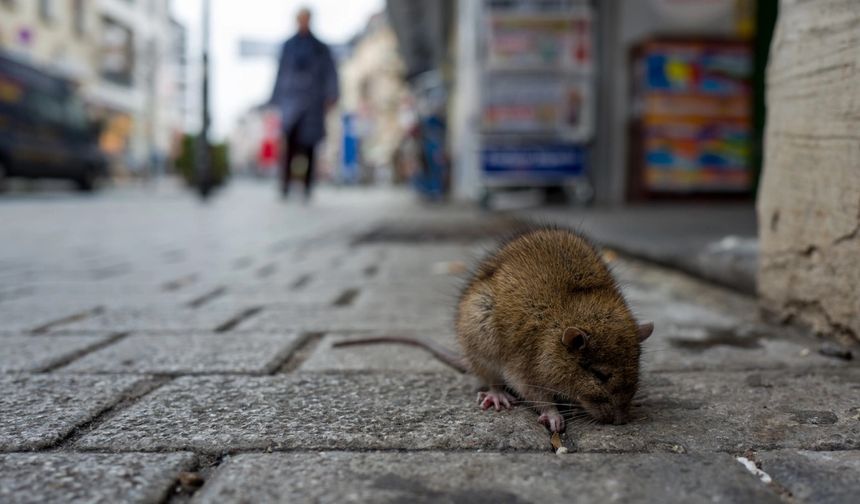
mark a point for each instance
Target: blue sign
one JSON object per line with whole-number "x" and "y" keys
{"x": 554, "y": 161}
{"x": 350, "y": 161}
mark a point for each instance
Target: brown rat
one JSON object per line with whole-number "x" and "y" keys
{"x": 543, "y": 316}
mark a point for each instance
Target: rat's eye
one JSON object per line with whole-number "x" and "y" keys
{"x": 601, "y": 377}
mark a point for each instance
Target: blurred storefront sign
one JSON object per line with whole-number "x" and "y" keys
{"x": 537, "y": 72}
{"x": 536, "y": 81}
{"x": 693, "y": 11}
{"x": 529, "y": 164}
{"x": 541, "y": 41}
{"x": 693, "y": 99}
{"x": 539, "y": 105}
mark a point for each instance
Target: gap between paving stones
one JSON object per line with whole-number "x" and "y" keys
{"x": 237, "y": 319}
{"x": 306, "y": 346}
{"x": 140, "y": 390}
{"x": 242, "y": 263}
{"x": 178, "y": 283}
{"x": 75, "y": 317}
{"x": 301, "y": 282}
{"x": 346, "y": 298}
{"x": 267, "y": 270}
{"x": 756, "y": 471}
{"x": 205, "y": 466}
{"x": 83, "y": 352}
{"x": 207, "y": 297}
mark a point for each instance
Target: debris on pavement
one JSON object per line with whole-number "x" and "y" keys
{"x": 835, "y": 351}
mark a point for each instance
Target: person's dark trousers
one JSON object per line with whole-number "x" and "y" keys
{"x": 294, "y": 148}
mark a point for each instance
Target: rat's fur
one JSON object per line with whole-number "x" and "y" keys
{"x": 515, "y": 311}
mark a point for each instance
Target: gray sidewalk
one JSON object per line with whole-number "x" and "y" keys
{"x": 717, "y": 241}
{"x": 158, "y": 350}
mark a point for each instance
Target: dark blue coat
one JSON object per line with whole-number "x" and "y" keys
{"x": 306, "y": 81}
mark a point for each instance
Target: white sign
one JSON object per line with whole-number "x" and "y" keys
{"x": 694, "y": 11}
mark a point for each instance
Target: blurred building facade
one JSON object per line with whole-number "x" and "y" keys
{"x": 126, "y": 55}
{"x": 373, "y": 95}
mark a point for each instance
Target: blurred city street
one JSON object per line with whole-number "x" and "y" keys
{"x": 206, "y": 204}
{"x": 156, "y": 349}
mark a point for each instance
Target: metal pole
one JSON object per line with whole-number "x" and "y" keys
{"x": 203, "y": 158}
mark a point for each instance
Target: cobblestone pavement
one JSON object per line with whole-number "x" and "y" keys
{"x": 156, "y": 349}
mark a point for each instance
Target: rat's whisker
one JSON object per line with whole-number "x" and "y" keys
{"x": 555, "y": 391}
{"x": 540, "y": 403}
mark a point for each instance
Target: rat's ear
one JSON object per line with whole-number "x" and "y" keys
{"x": 574, "y": 338}
{"x": 645, "y": 330}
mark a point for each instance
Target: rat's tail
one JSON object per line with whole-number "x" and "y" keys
{"x": 445, "y": 355}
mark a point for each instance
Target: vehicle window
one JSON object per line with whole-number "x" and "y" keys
{"x": 46, "y": 106}
{"x": 76, "y": 114}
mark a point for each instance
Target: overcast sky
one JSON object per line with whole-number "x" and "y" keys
{"x": 238, "y": 84}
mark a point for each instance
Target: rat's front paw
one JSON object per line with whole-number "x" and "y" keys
{"x": 552, "y": 420}
{"x": 495, "y": 398}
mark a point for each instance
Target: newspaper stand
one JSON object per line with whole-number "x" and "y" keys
{"x": 537, "y": 102}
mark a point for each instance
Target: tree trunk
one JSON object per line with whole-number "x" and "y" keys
{"x": 809, "y": 197}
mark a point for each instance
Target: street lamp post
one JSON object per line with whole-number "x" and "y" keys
{"x": 203, "y": 166}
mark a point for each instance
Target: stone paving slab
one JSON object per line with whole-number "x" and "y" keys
{"x": 425, "y": 261}
{"x": 703, "y": 327}
{"x": 733, "y": 412}
{"x": 435, "y": 293}
{"x": 377, "y": 357}
{"x": 252, "y": 353}
{"x": 346, "y": 319}
{"x": 482, "y": 477}
{"x": 89, "y": 477}
{"x": 700, "y": 347}
{"x": 39, "y": 410}
{"x": 650, "y": 286}
{"x": 313, "y": 294}
{"x": 670, "y": 312}
{"x": 433, "y": 300}
{"x": 316, "y": 411}
{"x": 109, "y": 295}
{"x": 820, "y": 477}
{"x": 37, "y": 353}
{"x": 156, "y": 319}
{"x": 108, "y": 301}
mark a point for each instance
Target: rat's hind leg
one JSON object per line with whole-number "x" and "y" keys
{"x": 495, "y": 398}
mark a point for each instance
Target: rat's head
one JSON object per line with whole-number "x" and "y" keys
{"x": 597, "y": 366}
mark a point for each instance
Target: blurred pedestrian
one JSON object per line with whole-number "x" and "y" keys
{"x": 306, "y": 88}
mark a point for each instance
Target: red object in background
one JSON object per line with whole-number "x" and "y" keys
{"x": 270, "y": 143}
{"x": 268, "y": 152}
